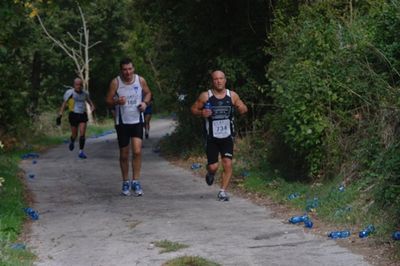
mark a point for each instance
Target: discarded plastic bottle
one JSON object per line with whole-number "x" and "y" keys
{"x": 367, "y": 231}
{"x": 308, "y": 223}
{"x": 298, "y": 219}
{"x": 339, "y": 234}
{"x": 293, "y": 195}
{"x": 245, "y": 173}
{"x": 342, "y": 211}
{"x": 312, "y": 204}
{"x": 18, "y": 246}
{"x": 32, "y": 213}
{"x": 157, "y": 149}
{"x": 31, "y": 175}
{"x": 396, "y": 235}
{"x": 30, "y": 155}
{"x": 196, "y": 166}
{"x": 341, "y": 188}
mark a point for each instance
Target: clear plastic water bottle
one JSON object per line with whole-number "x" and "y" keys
{"x": 367, "y": 231}
{"x": 339, "y": 234}
{"x": 19, "y": 246}
{"x": 32, "y": 213}
{"x": 293, "y": 195}
{"x": 195, "y": 166}
{"x": 396, "y": 235}
{"x": 298, "y": 219}
{"x": 312, "y": 204}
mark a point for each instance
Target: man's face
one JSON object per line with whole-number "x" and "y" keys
{"x": 127, "y": 71}
{"x": 218, "y": 80}
{"x": 78, "y": 85}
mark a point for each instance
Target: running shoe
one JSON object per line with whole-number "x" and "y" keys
{"x": 126, "y": 188}
{"x": 137, "y": 188}
{"x": 223, "y": 196}
{"x": 82, "y": 155}
{"x": 147, "y": 135}
{"x": 71, "y": 146}
{"x": 209, "y": 179}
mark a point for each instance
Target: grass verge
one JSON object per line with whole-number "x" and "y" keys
{"x": 169, "y": 246}
{"x": 11, "y": 213}
{"x": 190, "y": 261}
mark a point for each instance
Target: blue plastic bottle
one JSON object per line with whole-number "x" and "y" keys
{"x": 308, "y": 223}
{"x": 396, "y": 235}
{"x": 367, "y": 231}
{"x": 32, "y": 213}
{"x": 298, "y": 219}
{"x": 341, "y": 188}
{"x": 207, "y": 105}
{"x": 339, "y": 234}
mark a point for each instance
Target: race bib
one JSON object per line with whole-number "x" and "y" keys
{"x": 221, "y": 128}
{"x": 131, "y": 101}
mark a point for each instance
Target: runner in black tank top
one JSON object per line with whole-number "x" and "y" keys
{"x": 218, "y": 116}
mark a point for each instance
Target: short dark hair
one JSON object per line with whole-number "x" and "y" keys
{"x": 125, "y": 61}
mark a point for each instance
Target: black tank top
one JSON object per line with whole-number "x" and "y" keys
{"x": 220, "y": 124}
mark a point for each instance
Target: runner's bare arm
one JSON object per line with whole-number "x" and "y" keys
{"x": 197, "y": 108}
{"x": 92, "y": 107}
{"x": 112, "y": 90}
{"x": 238, "y": 103}
{"x": 147, "y": 94}
{"x": 62, "y": 108}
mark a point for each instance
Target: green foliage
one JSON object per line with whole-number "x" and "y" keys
{"x": 11, "y": 209}
{"x": 169, "y": 246}
{"x": 321, "y": 78}
{"x": 190, "y": 261}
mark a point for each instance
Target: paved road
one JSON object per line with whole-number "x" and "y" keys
{"x": 85, "y": 221}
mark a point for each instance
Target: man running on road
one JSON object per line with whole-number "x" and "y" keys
{"x": 76, "y": 99}
{"x": 216, "y": 106}
{"x": 129, "y": 95}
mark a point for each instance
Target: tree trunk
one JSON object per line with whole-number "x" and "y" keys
{"x": 35, "y": 81}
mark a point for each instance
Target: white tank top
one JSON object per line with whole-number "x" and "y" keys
{"x": 78, "y": 104}
{"x": 129, "y": 113}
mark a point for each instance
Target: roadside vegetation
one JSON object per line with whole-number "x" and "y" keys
{"x": 169, "y": 246}
{"x": 190, "y": 261}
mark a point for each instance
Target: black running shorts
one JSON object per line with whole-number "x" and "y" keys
{"x": 215, "y": 146}
{"x": 126, "y": 132}
{"x": 75, "y": 118}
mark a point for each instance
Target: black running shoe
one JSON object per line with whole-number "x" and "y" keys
{"x": 209, "y": 179}
{"x": 71, "y": 146}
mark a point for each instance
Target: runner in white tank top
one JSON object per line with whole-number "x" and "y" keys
{"x": 76, "y": 99}
{"x": 129, "y": 96}
{"x": 129, "y": 112}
